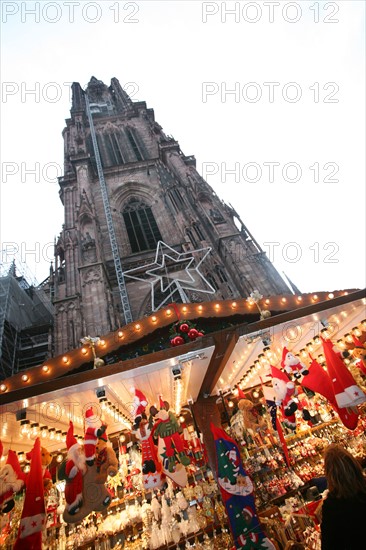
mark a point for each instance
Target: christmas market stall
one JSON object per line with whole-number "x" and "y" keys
{"x": 200, "y": 426}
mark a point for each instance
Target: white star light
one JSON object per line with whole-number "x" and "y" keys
{"x": 188, "y": 277}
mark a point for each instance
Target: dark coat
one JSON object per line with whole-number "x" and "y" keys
{"x": 343, "y": 525}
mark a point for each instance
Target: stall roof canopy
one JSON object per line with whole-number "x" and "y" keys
{"x": 230, "y": 352}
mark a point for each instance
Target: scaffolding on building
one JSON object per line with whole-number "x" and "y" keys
{"x": 26, "y": 319}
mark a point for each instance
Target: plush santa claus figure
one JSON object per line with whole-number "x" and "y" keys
{"x": 292, "y": 364}
{"x": 138, "y": 406}
{"x": 75, "y": 469}
{"x": 285, "y": 392}
{"x": 11, "y": 481}
{"x": 93, "y": 430}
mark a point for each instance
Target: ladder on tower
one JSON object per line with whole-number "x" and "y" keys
{"x": 107, "y": 209}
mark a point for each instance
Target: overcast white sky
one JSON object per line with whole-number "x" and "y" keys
{"x": 180, "y": 58}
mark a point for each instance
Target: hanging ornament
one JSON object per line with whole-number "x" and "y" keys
{"x": 255, "y": 298}
{"x": 182, "y": 332}
{"x": 92, "y": 342}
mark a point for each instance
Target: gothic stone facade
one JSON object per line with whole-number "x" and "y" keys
{"x": 155, "y": 193}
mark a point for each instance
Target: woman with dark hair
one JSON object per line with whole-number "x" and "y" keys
{"x": 343, "y": 525}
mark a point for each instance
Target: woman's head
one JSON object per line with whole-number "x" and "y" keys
{"x": 343, "y": 472}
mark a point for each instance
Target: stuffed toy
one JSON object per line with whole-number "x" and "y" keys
{"x": 152, "y": 476}
{"x": 95, "y": 497}
{"x": 94, "y": 429}
{"x": 138, "y": 407}
{"x": 106, "y": 459}
{"x": 167, "y": 428}
{"x": 252, "y": 422}
{"x": 74, "y": 470}
{"x": 46, "y": 459}
{"x": 285, "y": 392}
{"x": 12, "y": 480}
{"x": 292, "y": 364}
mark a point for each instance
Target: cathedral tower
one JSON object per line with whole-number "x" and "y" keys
{"x": 151, "y": 192}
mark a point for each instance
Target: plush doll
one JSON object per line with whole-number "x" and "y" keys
{"x": 152, "y": 476}
{"x": 11, "y": 481}
{"x": 252, "y": 422}
{"x": 285, "y": 392}
{"x": 94, "y": 429}
{"x": 138, "y": 407}
{"x": 95, "y": 495}
{"x": 166, "y": 426}
{"x": 74, "y": 470}
{"x": 292, "y": 364}
{"x": 106, "y": 459}
{"x": 46, "y": 459}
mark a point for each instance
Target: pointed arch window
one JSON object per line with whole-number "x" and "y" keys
{"x": 221, "y": 274}
{"x": 133, "y": 142}
{"x": 142, "y": 229}
{"x": 191, "y": 237}
{"x": 176, "y": 199}
{"x": 114, "y": 149}
{"x": 198, "y": 231}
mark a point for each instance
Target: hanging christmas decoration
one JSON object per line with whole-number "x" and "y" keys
{"x": 33, "y": 519}
{"x": 346, "y": 391}
{"x": 171, "y": 452}
{"x": 255, "y": 297}
{"x": 182, "y": 332}
{"x": 319, "y": 381}
{"x": 11, "y": 481}
{"x": 237, "y": 494}
{"x": 92, "y": 342}
{"x": 152, "y": 475}
{"x": 292, "y": 364}
{"x": 174, "y": 272}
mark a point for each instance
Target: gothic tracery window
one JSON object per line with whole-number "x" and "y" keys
{"x": 198, "y": 231}
{"x": 142, "y": 230}
{"x": 221, "y": 274}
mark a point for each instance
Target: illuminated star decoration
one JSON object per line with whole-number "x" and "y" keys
{"x": 175, "y": 271}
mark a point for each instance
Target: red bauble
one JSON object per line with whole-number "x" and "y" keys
{"x": 177, "y": 341}
{"x": 192, "y": 334}
{"x": 200, "y": 334}
{"x": 184, "y": 327}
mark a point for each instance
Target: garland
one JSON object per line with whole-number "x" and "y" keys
{"x": 182, "y": 332}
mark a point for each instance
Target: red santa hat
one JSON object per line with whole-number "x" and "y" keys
{"x": 284, "y": 353}
{"x": 33, "y": 516}
{"x": 161, "y": 403}
{"x": 70, "y": 438}
{"x": 90, "y": 417}
{"x": 279, "y": 374}
{"x": 346, "y": 391}
{"x": 140, "y": 397}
